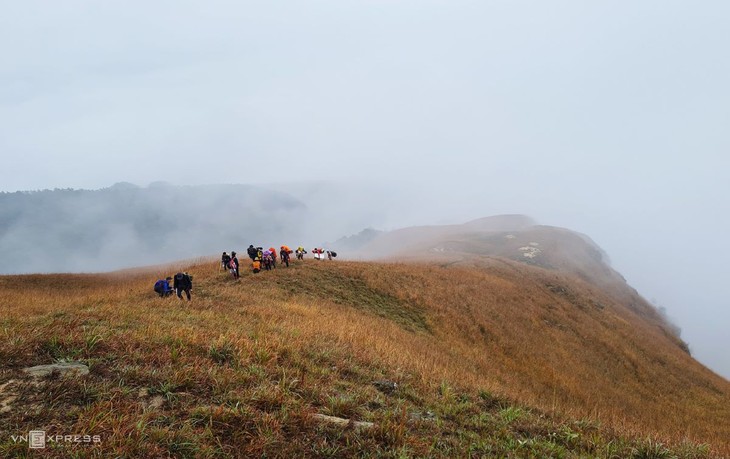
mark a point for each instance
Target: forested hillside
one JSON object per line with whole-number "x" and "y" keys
{"x": 125, "y": 225}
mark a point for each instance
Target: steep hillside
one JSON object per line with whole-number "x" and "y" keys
{"x": 495, "y": 360}
{"x": 490, "y": 241}
{"x": 415, "y": 239}
{"x": 125, "y": 225}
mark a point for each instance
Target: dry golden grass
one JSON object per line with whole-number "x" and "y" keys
{"x": 243, "y": 366}
{"x": 575, "y": 351}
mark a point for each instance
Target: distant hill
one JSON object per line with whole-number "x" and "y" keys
{"x": 355, "y": 242}
{"x": 126, "y": 225}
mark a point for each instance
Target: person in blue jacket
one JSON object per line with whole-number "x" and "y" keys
{"x": 162, "y": 287}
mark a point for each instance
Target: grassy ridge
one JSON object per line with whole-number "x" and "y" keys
{"x": 510, "y": 361}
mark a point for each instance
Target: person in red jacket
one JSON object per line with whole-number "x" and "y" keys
{"x": 284, "y": 252}
{"x": 233, "y": 265}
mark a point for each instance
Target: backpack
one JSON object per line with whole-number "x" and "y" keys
{"x": 232, "y": 264}
{"x": 159, "y": 285}
{"x": 334, "y": 254}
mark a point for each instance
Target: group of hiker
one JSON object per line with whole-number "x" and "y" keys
{"x": 260, "y": 260}
{"x": 182, "y": 282}
{"x": 266, "y": 259}
{"x": 320, "y": 254}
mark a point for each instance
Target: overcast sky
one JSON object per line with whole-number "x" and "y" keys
{"x": 606, "y": 117}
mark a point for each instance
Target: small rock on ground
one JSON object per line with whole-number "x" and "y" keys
{"x": 63, "y": 368}
{"x": 343, "y": 421}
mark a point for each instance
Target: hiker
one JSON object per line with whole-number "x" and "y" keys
{"x": 329, "y": 255}
{"x": 162, "y": 287}
{"x": 252, "y": 252}
{"x": 183, "y": 283}
{"x": 266, "y": 258}
{"x": 225, "y": 259}
{"x": 273, "y": 257}
{"x": 300, "y": 253}
{"x": 233, "y": 265}
{"x": 284, "y": 252}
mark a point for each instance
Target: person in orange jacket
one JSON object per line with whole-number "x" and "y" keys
{"x": 273, "y": 256}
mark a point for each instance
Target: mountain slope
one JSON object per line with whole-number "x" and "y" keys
{"x": 492, "y": 240}
{"x": 413, "y": 239}
{"x": 490, "y": 359}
